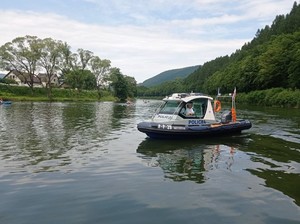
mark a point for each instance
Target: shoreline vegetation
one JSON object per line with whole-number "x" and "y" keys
{"x": 23, "y": 93}
{"x": 276, "y": 97}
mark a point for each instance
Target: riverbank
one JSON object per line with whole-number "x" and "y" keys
{"x": 276, "y": 97}
{"x": 23, "y": 93}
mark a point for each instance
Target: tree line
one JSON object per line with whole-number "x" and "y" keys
{"x": 81, "y": 70}
{"x": 270, "y": 60}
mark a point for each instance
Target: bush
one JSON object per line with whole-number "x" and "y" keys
{"x": 8, "y": 81}
{"x": 272, "y": 97}
{"x": 288, "y": 98}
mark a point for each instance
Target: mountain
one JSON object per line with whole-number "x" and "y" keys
{"x": 169, "y": 75}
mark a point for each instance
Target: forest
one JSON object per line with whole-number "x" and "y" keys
{"x": 270, "y": 61}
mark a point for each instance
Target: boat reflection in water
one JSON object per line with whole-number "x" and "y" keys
{"x": 249, "y": 162}
{"x": 184, "y": 160}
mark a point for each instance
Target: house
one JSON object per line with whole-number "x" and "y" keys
{"x": 39, "y": 80}
{"x": 43, "y": 77}
{"x": 16, "y": 76}
{"x": 23, "y": 78}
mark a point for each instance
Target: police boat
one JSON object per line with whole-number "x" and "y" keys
{"x": 192, "y": 115}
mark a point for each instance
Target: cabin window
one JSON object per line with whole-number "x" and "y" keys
{"x": 170, "y": 107}
{"x": 199, "y": 108}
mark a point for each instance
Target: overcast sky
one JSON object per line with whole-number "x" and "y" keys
{"x": 143, "y": 37}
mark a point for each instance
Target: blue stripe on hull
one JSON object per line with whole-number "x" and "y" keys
{"x": 193, "y": 131}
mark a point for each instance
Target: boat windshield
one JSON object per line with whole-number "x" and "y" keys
{"x": 170, "y": 107}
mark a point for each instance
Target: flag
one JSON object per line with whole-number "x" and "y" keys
{"x": 234, "y": 94}
{"x": 233, "y": 114}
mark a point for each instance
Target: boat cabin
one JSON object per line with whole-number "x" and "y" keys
{"x": 183, "y": 106}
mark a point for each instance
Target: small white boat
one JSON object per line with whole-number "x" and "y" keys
{"x": 5, "y": 102}
{"x": 174, "y": 118}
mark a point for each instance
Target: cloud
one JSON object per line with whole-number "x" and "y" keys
{"x": 144, "y": 38}
{"x": 137, "y": 51}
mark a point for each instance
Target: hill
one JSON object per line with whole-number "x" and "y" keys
{"x": 270, "y": 60}
{"x": 169, "y": 75}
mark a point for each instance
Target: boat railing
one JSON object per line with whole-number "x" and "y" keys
{"x": 233, "y": 106}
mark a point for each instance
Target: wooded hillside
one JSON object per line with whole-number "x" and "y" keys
{"x": 270, "y": 60}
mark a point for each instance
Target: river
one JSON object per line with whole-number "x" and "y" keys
{"x": 87, "y": 163}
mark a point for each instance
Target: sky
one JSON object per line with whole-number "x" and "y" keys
{"x": 143, "y": 37}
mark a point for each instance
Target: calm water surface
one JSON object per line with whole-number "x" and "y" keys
{"x": 87, "y": 163}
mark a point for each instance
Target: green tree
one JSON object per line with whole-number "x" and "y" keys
{"x": 294, "y": 64}
{"x": 195, "y": 81}
{"x": 89, "y": 80}
{"x": 100, "y": 69}
{"x": 80, "y": 79}
{"x": 84, "y": 57}
{"x": 119, "y": 84}
{"x": 51, "y": 57}
{"x": 22, "y": 55}
{"x": 67, "y": 62}
{"x": 131, "y": 86}
{"x": 142, "y": 91}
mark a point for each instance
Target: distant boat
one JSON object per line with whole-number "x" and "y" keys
{"x": 5, "y": 102}
{"x": 128, "y": 102}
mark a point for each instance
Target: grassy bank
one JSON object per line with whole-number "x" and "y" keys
{"x": 277, "y": 97}
{"x": 22, "y": 93}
